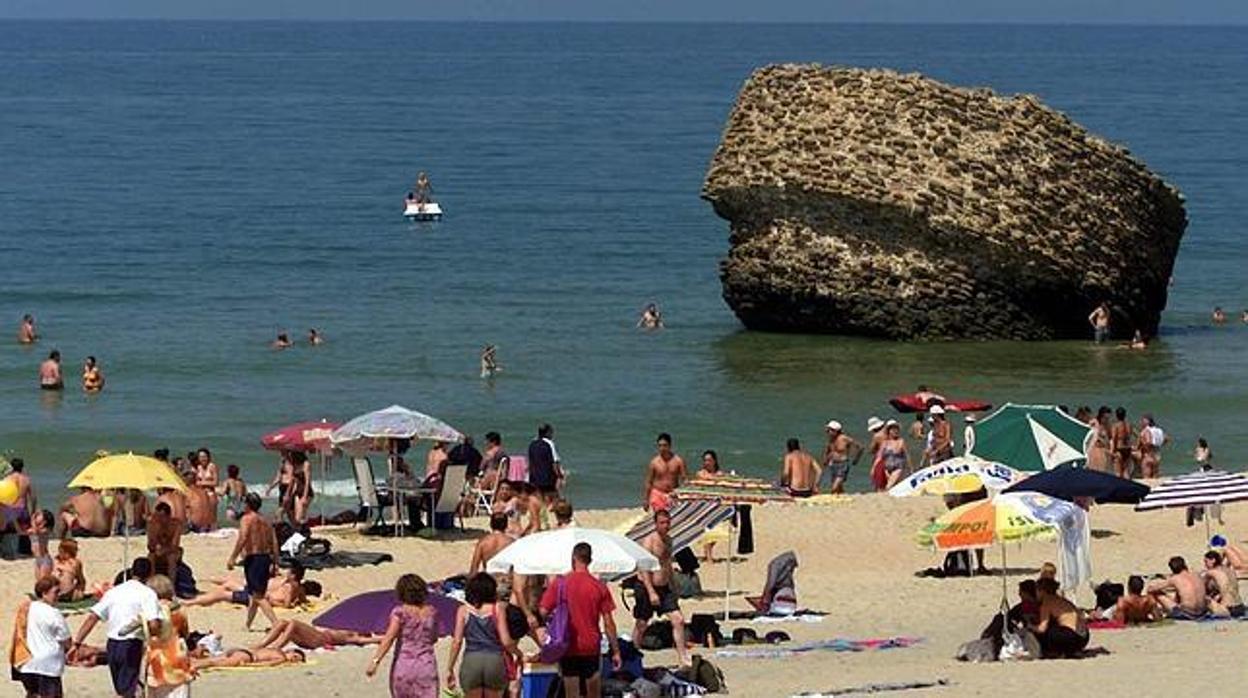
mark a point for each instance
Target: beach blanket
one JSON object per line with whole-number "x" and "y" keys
{"x": 795, "y": 618}
{"x": 836, "y": 645}
{"x": 823, "y": 500}
{"x": 240, "y": 669}
{"x": 873, "y": 688}
{"x": 339, "y": 559}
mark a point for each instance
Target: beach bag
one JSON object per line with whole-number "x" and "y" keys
{"x": 557, "y": 627}
{"x": 980, "y": 650}
{"x": 658, "y": 636}
{"x": 707, "y": 675}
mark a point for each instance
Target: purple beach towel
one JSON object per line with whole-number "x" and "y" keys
{"x": 370, "y": 612}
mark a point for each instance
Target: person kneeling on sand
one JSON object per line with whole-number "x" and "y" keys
{"x": 1135, "y": 606}
{"x": 1182, "y": 594}
{"x": 263, "y": 657}
{"x": 1063, "y": 628}
{"x": 309, "y": 637}
{"x": 1223, "y": 587}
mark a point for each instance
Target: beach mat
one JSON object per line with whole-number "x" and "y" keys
{"x": 874, "y": 688}
{"x": 338, "y": 559}
{"x": 836, "y": 645}
{"x": 243, "y": 669}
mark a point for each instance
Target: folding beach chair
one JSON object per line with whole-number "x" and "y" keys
{"x": 372, "y": 496}
{"x": 483, "y": 498}
{"x": 451, "y": 493}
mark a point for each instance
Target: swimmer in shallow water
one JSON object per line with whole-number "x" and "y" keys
{"x": 1138, "y": 342}
{"x": 92, "y": 376}
{"x": 489, "y": 361}
{"x": 1219, "y": 316}
{"x": 26, "y": 333}
{"x": 315, "y": 338}
{"x": 651, "y": 318}
{"x": 282, "y": 341}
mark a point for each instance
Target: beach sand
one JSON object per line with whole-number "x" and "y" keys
{"x": 857, "y": 562}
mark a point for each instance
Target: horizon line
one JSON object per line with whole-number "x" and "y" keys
{"x": 1234, "y": 24}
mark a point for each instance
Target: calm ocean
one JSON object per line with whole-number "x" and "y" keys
{"x": 174, "y": 194}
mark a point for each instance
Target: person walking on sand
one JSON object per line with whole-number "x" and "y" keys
{"x": 588, "y": 602}
{"x": 50, "y": 372}
{"x": 545, "y": 468}
{"x": 655, "y": 596}
{"x": 257, "y": 543}
{"x": 46, "y": 640}
{"x": 92, "y": 376}
{"x": 414, "y": 627}
{"x": 481, "y": 631}
{"x": 836, "y": 456}
{"x": 799, "y": 474}
{"x": 125, "y": 608}
{"x": 665, "y": 472}
{"x": 941, "y": 448}
{"x": 26, "y": 333}
{"x": 893, "y": 455}
{"x": 1099, "y": 319}
{"x": 875, "y": 427}
{"x": 1120, "y": 437}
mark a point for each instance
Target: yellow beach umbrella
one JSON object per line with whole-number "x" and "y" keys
{"x": 128, "y": 472}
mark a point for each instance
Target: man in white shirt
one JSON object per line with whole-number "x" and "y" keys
{"x": 125, "y": 608}
{"x": 47, "y": 638}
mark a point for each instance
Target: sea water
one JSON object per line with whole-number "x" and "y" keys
{"x": 172, "y": 195}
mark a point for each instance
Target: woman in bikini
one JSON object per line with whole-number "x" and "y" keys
{"x": 241, "y": 657}
{"x": 309, "y": 637}
{"x": 233, "y": 490}
{"x": 207, "y": 477}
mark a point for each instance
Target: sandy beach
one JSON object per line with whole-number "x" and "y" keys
{"x": 857, "y": 563}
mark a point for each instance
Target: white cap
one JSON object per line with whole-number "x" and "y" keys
{"x": 970, "y": 418}
{"x": 891, "y": 423}
{"x": 937, "y": 409}
{"x": 874, "y": 424}
{"x": 833, "y": 425}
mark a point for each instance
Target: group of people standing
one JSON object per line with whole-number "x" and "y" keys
{"x": 50, "y": 375}
{"x": 1126, "y": 450}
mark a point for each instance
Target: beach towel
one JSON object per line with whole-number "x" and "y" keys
{"x": 338, "y": 559}
{"x": 239, "y": 669}
{"x": 873, "y": 688}
{"x": 19, "y": 653}
{"x": 823, "y": 500}
{"x": 836, "y": 645}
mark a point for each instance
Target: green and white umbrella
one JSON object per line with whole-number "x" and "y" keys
{"x": 1031, "y": 437}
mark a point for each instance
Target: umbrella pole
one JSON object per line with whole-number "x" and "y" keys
{"x": 732, "y": 531}
{"x": 1005, "y": 574}
{"x": 321, "y": 499}
{"x": 125, "y": 539}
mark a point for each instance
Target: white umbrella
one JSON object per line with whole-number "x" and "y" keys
{"x": 550, "y": 552}
{"x": 394, "y": 422}
{"x": 954, "y": 474}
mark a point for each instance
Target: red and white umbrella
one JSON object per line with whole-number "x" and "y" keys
{"x": 304, "y": 436}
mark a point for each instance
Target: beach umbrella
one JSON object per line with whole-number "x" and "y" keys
{"x": 307, "y": 437}
{"x": 732, "y": 490}
{"x": 369, "y": 612}
{"x": 393, "y": 422}
{"x": 1069, "y": 482}
{"x": 1030, "y": 437}
{"x": 1014, "y": 517}
{"x": 126, "y": 471}
{"x": 550, "y": 552}
{"x": 1199, "y": 489}
{"x": 958, "y": 475}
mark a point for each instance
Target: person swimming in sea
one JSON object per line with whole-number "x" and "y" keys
{"x": 1219, "y": 316}
{"x": 26, "y": 333}
{"x": 282, "y": 341}
{"x": 92, "y": 376}
{"x": 314, "y": 337}
{"x": 651, "y": 318}
{"x": 1137, "y": 343}
{"x": 489, "y": 361}
{"x": 50, "y": 372}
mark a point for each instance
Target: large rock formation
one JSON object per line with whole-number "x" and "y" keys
{"x": 873, "y": 203}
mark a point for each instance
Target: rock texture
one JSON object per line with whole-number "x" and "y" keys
{"x": 873, "y": 203}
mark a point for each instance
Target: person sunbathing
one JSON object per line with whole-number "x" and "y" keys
{"x": 1135, "y": 606}
{"x": 309, "y": 637}
{"x": 1182, "y": 594}
{"x": 287, "y": 591}
{"x": 236, "y": 658}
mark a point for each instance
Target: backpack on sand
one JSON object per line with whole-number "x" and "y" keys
{"x": 557, "y": 631}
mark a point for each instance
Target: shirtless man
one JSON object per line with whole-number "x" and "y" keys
{"x": 836, "y": 456}
{"x": 282, "y": 342}
{"x": 529, "y": 506}
{"x": 491, "y": 543}
{"x": 1120, "y": 444}
{"x": 84, "y": 515}
{"x": 1225, "y": 600}
{"x": 176, "y": 501}
{"x": 315, "y": 338}
{"x": 50, "y": 372}
{"x": 164, "y": 536}
{"x": 489, "y": 361}
{"x": 262, "y": 657}
{"x": 1062, "y": 629}
{"x": 26, "y": 333}
{"x": 1099, "y": 320}
{"x": 655, "y": 596}
{"x": 309, "y": 637}
{"x": 1135, "y": 606}
{"x": 1182, "y": 594}
{"x": 286, "y": 591}
{"x": 201, "y": 510}
{"x": 1219, "y": 316}
{"x": 800, "y": 472}
{"x": 942, "y": 437}
{"x": 651, "y": 318}
{"x": 257, "y": 544}
{"x": 663, "y": 475}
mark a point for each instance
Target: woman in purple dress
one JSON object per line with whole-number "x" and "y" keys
{"x": 414, "y": 671}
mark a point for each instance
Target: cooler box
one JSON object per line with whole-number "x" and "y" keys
{"x": 537, "y": 680}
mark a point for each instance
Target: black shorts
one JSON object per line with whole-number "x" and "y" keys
{"x": 40, "y": 685}
{"x": 644, "y": 610}
{"x": 256, "y": 571}
{"x": 125, "y": 662}
{"x": 580, "y": 667}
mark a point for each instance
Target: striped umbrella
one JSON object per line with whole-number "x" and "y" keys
{"x": 731, "y": 489}
{"x": 1201, "y": 488}
{"x": 690, "y": 519}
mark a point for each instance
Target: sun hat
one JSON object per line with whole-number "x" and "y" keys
{"x": 891, "y": 423}
{"x": 833, "y": 425}
{"x": 937, "y": 409}
{"x": 874, "y": 424}
{"x": 970, "y": 418}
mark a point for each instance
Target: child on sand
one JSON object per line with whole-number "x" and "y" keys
{"x": 67, "y": 568}
{"x": 40, "y": 527}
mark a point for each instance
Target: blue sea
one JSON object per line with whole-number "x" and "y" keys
{"x": 173, "y": 195}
